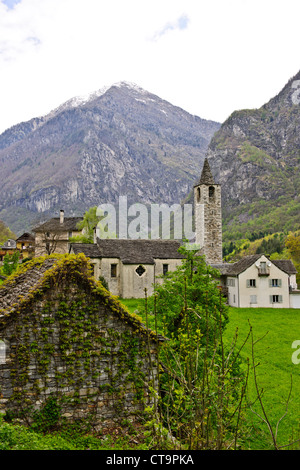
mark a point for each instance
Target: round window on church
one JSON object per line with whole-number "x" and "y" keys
{"x": 140, "y": 270}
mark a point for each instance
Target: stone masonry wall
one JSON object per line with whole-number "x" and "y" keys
{"x": 70, "y": 346}
{"x": 208, "y": 222}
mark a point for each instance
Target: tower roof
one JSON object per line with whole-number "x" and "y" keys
{"x": 206, "y": 175}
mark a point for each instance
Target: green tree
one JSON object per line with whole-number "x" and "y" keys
{"x": 293, "y": 245}
{"x": 10, "y": 263}
{"x": 202, "y": 386}
{"x": 87, "y": 225}
{"x": 5, "y": 233}
{"x": 192, "y": 288}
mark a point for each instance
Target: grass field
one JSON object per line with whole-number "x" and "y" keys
{"x": 274, "y": 331}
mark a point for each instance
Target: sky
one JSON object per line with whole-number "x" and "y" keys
{"x": 209, "y": 57}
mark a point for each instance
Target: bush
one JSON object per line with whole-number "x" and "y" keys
{"x": 201, "y": 385}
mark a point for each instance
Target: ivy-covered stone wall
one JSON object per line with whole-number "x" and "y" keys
{"x": 70, "y": 341}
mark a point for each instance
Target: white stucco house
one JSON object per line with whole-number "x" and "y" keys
{"x": 256, "y": 281}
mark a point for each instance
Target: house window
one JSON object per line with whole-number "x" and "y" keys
{"x": 2, "y": 352}
{"x": 140, "y": 270}
{"x": 231, "y": 282}
{"x": 263, "y": 269}
{"x": 94, "y": 268}
{"x": 165, "y": 269}
{"x": 113, "y": 270}
{"x": 275, "y": 299}
{"x": 251, "y": 282}
{"x": 70, "y": 234}
{"x": 275, "y": 283}
{"x": 253, "y": 299}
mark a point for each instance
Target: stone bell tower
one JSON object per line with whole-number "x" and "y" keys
{"x": 208, "y": 216}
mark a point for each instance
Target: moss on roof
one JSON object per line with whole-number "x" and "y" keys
{"x": 35, "y": 277}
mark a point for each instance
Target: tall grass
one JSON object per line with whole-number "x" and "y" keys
{"x": 278, "y": 378}
{"x": 274, "y": 331}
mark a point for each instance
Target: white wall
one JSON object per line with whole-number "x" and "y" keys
{"x": 233, "y": 291}
{"x": 263, "y": 291}
{"x": 295, "y": 300}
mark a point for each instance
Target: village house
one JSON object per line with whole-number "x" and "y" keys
{"x": 54, "y": 235}
{"x": 257, "y": 281}
{"x": 65, "y": 340}
{"x": 25, "y": 245}
{"x": 8, "y": 248}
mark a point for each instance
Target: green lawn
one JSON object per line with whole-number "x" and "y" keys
{"x": 274, "y": 330}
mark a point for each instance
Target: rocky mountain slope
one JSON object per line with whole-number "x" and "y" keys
{"x": 255, "y": 156}
{"x": 121, "y": 140}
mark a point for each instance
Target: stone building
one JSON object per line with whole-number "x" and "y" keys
{"x": 64, "y": 339}
{"x": 131, "y": 266}
{"x": 208, "y": 216}
{"x": 54, "y": 235}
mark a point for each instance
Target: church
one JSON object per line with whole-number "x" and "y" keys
{"x": 129, "y": 266}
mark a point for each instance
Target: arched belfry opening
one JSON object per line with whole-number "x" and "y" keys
{"x": 198, "y": 194}
{"x": 211, "y": 192}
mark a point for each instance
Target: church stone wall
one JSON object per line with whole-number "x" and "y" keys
{"x": 208, "y": 221}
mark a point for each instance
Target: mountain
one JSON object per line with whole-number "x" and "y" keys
{"x": 120, "y": 140}
{"x": 255, "y": 156}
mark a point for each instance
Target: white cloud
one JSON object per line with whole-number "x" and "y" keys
{"x": 180, "y": 23}
{"x": 209, "y": 57}
{"x": 10, "y": 3}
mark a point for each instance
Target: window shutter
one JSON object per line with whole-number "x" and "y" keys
{"x": 280, "y": 299}
{"x": 279, "y": 283}
{"x": 271, "y": 299}
{"x": 270, "y": 283}
{"x": 248, "y": 282}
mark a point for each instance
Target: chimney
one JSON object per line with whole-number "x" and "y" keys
{"x": 61, "y": 216}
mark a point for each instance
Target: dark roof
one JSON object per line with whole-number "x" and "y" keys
{"x": 25, "y": 237}
{"x": 53, "y": 225}
{"x": 139, "y": 251}
{"x": 221, "y": 267}
{"x": 131, "y": 251}
{"x": 241, "y": 265}
{"x": 206, "y": 175}
{"x": 90, "y": 250}
{"x": 285, "y": 265}
{"x": 234, "y": 269}
{"x": 9, "y": 244}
